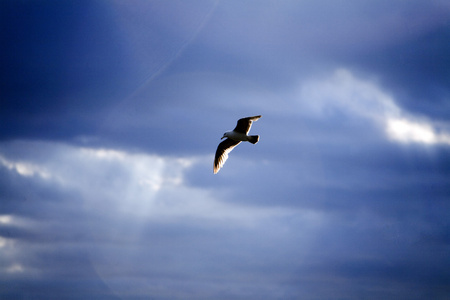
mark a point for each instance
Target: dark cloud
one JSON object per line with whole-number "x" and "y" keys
{"x": 417, "y": 71}
{"x": 111, "y": 115}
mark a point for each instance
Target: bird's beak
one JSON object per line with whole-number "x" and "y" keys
{"x": 223, "y": 137}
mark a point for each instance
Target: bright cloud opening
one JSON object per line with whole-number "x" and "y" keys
{"x": 404, "y": 130}
{"x": 366, "y": 99}
{"x": 5, "y": 219}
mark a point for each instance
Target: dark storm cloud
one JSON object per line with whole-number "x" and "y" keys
{"x": 111, "y": 114}
{"x": 65, "y": 64}
{"x": 60, "y": 62}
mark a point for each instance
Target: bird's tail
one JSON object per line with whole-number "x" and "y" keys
{"x": 253, "y": 139}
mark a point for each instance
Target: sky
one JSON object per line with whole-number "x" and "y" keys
{"x": 111, "y": 112}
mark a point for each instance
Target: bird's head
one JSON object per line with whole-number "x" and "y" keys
{"x": 224, "y": 135}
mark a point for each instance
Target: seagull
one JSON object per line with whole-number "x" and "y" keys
{"x": 234, "y": 138}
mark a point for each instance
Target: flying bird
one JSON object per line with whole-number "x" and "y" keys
{"x": 234, "y": 138}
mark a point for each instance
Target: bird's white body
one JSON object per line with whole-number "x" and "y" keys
{"x": 237, "y": 136}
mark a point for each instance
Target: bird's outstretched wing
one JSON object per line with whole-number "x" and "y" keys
{"x": 244, "y": 124}
{"x": 222, "y": 151}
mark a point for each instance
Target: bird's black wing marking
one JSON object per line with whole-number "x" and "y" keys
{"x": 244, "y": 124}
{"x": 222, "y": 153}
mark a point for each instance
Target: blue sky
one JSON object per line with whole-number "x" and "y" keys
{"x": 111, "y": 112}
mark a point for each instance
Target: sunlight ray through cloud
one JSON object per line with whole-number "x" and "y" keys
{"x": 131, "y": 184}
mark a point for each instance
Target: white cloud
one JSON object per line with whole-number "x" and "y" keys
{"x": 366, "y": 99}
{"x": 127, "y": 185}
{"x": 404, "y": 130}
{"x": 24, "y": 168}
{"x": 5, "y": 219}
{"x": 15, "y": 268}
{"x": 2, "y": 242}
